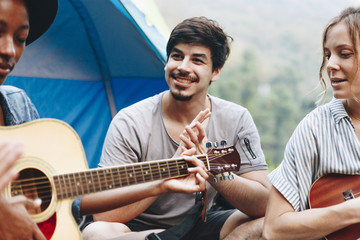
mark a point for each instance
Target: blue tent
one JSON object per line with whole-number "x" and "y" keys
{"x": 98, "y": 57}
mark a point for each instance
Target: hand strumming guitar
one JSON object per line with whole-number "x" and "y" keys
{"x": 15, "y": 222}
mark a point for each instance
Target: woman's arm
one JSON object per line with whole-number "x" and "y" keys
{"x": 282, "y": 222}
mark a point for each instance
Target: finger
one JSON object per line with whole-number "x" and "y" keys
{"x": 38, "y": 235}
{"x": 201, "y": 132}
{"x": 7, "y": 147}
{"x": 199, "y": 170}
{"x": 199, "y": 118}
{"x": 196, "y": 162}
{"x": 201, "y": 182}
{"x": 205, "y": 116}
{"x": 7, "y": 178}
{"x": 9, "y": 153}
{"x": 192, "y": 134}
{"x": 202, "y": 115}
{"x": 20, "y": 199}
{"x": 188, "y": 152}
{"x": 184, "y": 133}
{"x": 187, "y": 143}
{"x": 198, "y": 137}
{"x": 30, "y": 204}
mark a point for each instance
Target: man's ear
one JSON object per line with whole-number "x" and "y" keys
{"x": 215, "y": 75}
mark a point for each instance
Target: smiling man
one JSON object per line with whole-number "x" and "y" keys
{"x": 151, "y": 129}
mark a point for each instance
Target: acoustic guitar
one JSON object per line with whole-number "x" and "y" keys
{"x": 333, "y": 189}
{"x": 54, "y": 169}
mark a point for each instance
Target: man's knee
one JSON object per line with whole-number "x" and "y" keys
{"x": 104, "y": 230}
{"x": 239, "y": 224}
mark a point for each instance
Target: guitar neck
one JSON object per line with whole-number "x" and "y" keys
{"x": 101, "y": 179}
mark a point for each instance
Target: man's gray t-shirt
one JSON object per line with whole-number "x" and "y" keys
{"x": 137, "y": 134}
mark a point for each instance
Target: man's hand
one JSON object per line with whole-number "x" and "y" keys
{"x": 194, "y": 135}
{"x": 192, "y": 143}
{"x": 194, "y": 182}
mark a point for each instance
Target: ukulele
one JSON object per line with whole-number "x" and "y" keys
{"x": 54, "y": 169}
{"x": 333, "y": 189}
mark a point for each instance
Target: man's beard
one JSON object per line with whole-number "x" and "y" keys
{"x": 179, "y": 97}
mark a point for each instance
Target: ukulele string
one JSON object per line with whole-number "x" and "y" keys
{"x": 352, "y": 197}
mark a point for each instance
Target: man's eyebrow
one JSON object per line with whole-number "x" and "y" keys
{"x": 176, "y": 50}
{"x": 200, "y": 55}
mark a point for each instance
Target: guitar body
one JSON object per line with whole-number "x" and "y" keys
{"x": 50, "y": 147}
{"x": 328, "y": 191}
{"x": 54, "y": 169}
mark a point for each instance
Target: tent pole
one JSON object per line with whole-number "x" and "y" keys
{"x": 98, "y": 51}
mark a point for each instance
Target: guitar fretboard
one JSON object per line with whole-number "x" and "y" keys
{"x": 96, "y": 180}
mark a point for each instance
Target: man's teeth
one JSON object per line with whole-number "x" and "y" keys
{"x": 184, "y": 80}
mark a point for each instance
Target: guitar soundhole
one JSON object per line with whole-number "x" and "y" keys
{"x": 33, "y": 184}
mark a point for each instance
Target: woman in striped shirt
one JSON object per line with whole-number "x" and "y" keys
{"x": 326, "y": 141}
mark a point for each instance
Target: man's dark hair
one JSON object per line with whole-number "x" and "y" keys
{"x": 204, "y": 31}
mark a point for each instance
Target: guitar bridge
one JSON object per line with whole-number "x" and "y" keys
{"x": 348, "y": 194}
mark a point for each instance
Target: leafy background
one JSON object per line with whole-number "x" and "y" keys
{"x": 274, "y": 64}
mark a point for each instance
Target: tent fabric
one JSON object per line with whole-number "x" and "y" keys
{"x": 98, "y": 57}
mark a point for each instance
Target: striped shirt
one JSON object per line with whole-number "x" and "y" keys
{"x": 324, "y": 142}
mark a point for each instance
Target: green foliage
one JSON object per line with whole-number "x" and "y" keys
{"x": 276, "y": 54}
{"x": 276, "y": 105}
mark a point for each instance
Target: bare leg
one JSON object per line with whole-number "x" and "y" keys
{"x": 137, "y": 235}
{"x": 114, "y": 231}
{"x": 104, "y": 230}
{"x": 251, "y": 230}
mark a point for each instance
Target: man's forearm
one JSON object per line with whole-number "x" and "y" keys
{"x": 249, "y": 196}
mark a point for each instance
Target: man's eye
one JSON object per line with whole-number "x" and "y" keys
{"x": 176, "y": 56}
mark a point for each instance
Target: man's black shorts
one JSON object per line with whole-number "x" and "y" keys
{"x": 209, "y": 230}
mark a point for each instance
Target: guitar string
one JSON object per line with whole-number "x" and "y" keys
{"x": 122, "y": 168}
{"x": 46, "y": 195}
{"x": 171, "y": 167}
{"x": 117, "y": 180}
{"x": 120, "y": 177}
{"x": 134, "y": 180}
